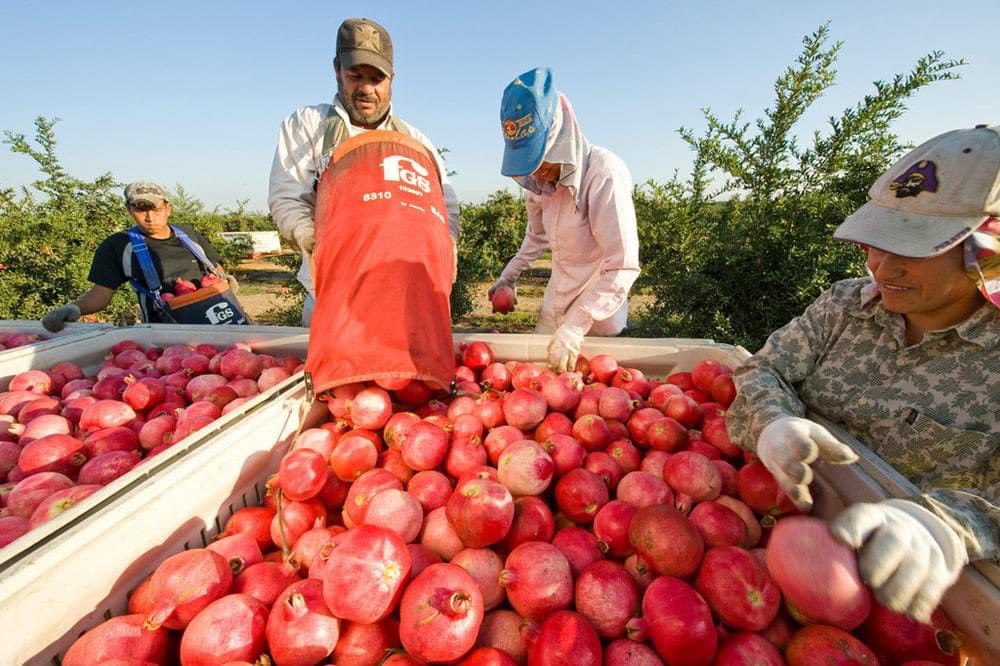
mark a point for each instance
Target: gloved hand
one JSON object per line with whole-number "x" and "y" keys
{"x": 788, "y": 445}
{"x": 234, "y": 286}
{"x": 908, "y": 556}
{"x": 564, "y": 347}
{"x": 503, "y": 282}
{"x": 56, "y": 320}
{"x": 304, "y": 238}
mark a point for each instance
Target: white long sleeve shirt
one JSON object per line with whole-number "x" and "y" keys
{"x": 299, "y": 161}
{"x": 588, "y": 221}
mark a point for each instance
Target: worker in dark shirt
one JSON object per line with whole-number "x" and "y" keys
{"x": 116, "y": 261}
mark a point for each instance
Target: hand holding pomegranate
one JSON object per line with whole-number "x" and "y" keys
{"x": 908, "y": 556}
{"x": 503, "y": 295}
{"x": 787, "y": 446}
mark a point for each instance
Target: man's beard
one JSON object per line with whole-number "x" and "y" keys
{"x": 360, "y": 118}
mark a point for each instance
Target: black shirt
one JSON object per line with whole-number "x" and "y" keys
{"x": 170, "y": 259}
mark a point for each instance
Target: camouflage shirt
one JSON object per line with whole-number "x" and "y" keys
{"x": 931, "y": 410}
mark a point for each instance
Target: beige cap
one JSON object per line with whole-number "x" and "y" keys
{"x": 933, "y": 197}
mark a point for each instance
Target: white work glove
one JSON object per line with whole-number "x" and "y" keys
{"x": 304, "y": 237}
{"x": 908, "y": 556}
{"x": 788, "y": 445}
{"x": 502, "y": 282}
{"x": 234, "y": 286}
{"x": 56, "y": 320}
{"x": 564, "y": 347}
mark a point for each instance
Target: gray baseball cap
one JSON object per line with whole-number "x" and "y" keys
{"x": 361, "y": 41}
{"x": 143, "y": 192}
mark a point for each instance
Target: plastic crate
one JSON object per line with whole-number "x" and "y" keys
{"x": 75, "y": 553}
{"x": 197, "y": 494}
{"x": 72, "y": 333}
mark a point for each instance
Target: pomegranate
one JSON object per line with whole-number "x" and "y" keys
{"x": 365, "y": 574}
{"x": 580, "y": 495}
{"x": 25, "y": 497}
{"x": 398, "y": 511}
{"x": 817, "y": 574}
{"x": 624, "y": 652}
{"x": 232, "y": 628}
{"x": 302, "y": 474}
{"x": 60, "y": 501}
{"x": 693, "y": 478}
{"x": 678, "y": 621}
{"x": 718, "y": 525}
{"x": 301, "y": 630}
{"x": 524, "y": 408}
{"x": 525, "y": 468}
{"x": 240, "y": 550}
{"x": 761, "y": 492}
{"x": 480, "y": 511}
{"x": 746, "y": 648}
{"x": 580, "y": 547}
{"x": 501, "y": 630}
{"x": 533, "y": 521}
{"x": 485, "y": 567}
{"x": 538, "y": 580}
{"x": 611, "y": 528}
{"x": 265, "y": 580}
{"x": 365, "y": 644}
{"x": 122, "y": 637}
{"x": 503, "y": 300}
{"x": 819, "y": 644}
{"x": 665, "y": 539}
{"x": 896, "y": 638}
{"x": 107, "y": 467}
{"x": 565, "y": 638}
{"x": 440, "y": 614}
{"x": 738, "y": 588}
{"x": 184, "y": 584}
{"x": 608, "y": 597}
{"x": 52, "y": 453}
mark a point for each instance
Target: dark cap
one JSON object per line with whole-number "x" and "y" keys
{"x": 361, "y": 41}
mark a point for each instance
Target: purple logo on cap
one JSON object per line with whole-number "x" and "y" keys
{"x": 921, "y": 177}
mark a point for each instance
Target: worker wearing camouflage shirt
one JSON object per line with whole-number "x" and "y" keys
{"x": 908, "y": 361}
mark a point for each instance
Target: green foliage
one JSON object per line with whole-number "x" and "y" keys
{"x": 290, "y": 312}
{"x": 491, "y": 234}
{"x": 46, "y": 244}
{"x": 738, "y": 262}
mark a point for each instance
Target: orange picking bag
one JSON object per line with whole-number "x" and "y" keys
{"x": 382, "y": 266}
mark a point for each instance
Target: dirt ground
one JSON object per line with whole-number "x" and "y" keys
{"x": 264, "y": 289}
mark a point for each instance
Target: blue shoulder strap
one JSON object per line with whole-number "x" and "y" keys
{"x": 141, "y": 251}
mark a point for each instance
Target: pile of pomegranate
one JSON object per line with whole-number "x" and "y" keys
{"x": 12, "y": 339}
{"x": 597, "y": 516}
{"x": 63, "y": 435}
{"x": 182, "y": 287}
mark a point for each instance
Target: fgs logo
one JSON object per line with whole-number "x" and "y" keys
{"x": 220, "y": 313}
{"x": 400, "y": 168}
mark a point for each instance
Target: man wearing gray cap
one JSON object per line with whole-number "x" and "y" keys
{"x": 115, "y": 261}
{"x": 364, "y": 69}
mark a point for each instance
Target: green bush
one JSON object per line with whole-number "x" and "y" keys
{"x": 491, "y": 234}
{"x": 740, "y": 261}
{"x": 46, "y": 244}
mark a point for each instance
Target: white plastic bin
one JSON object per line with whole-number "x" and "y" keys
{"x": 69, "y": 574}
{"x": 72, "y": 333}
{"x": 185, "y": 505}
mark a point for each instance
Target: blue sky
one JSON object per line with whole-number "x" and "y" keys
{"x": 193, "y": 92}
